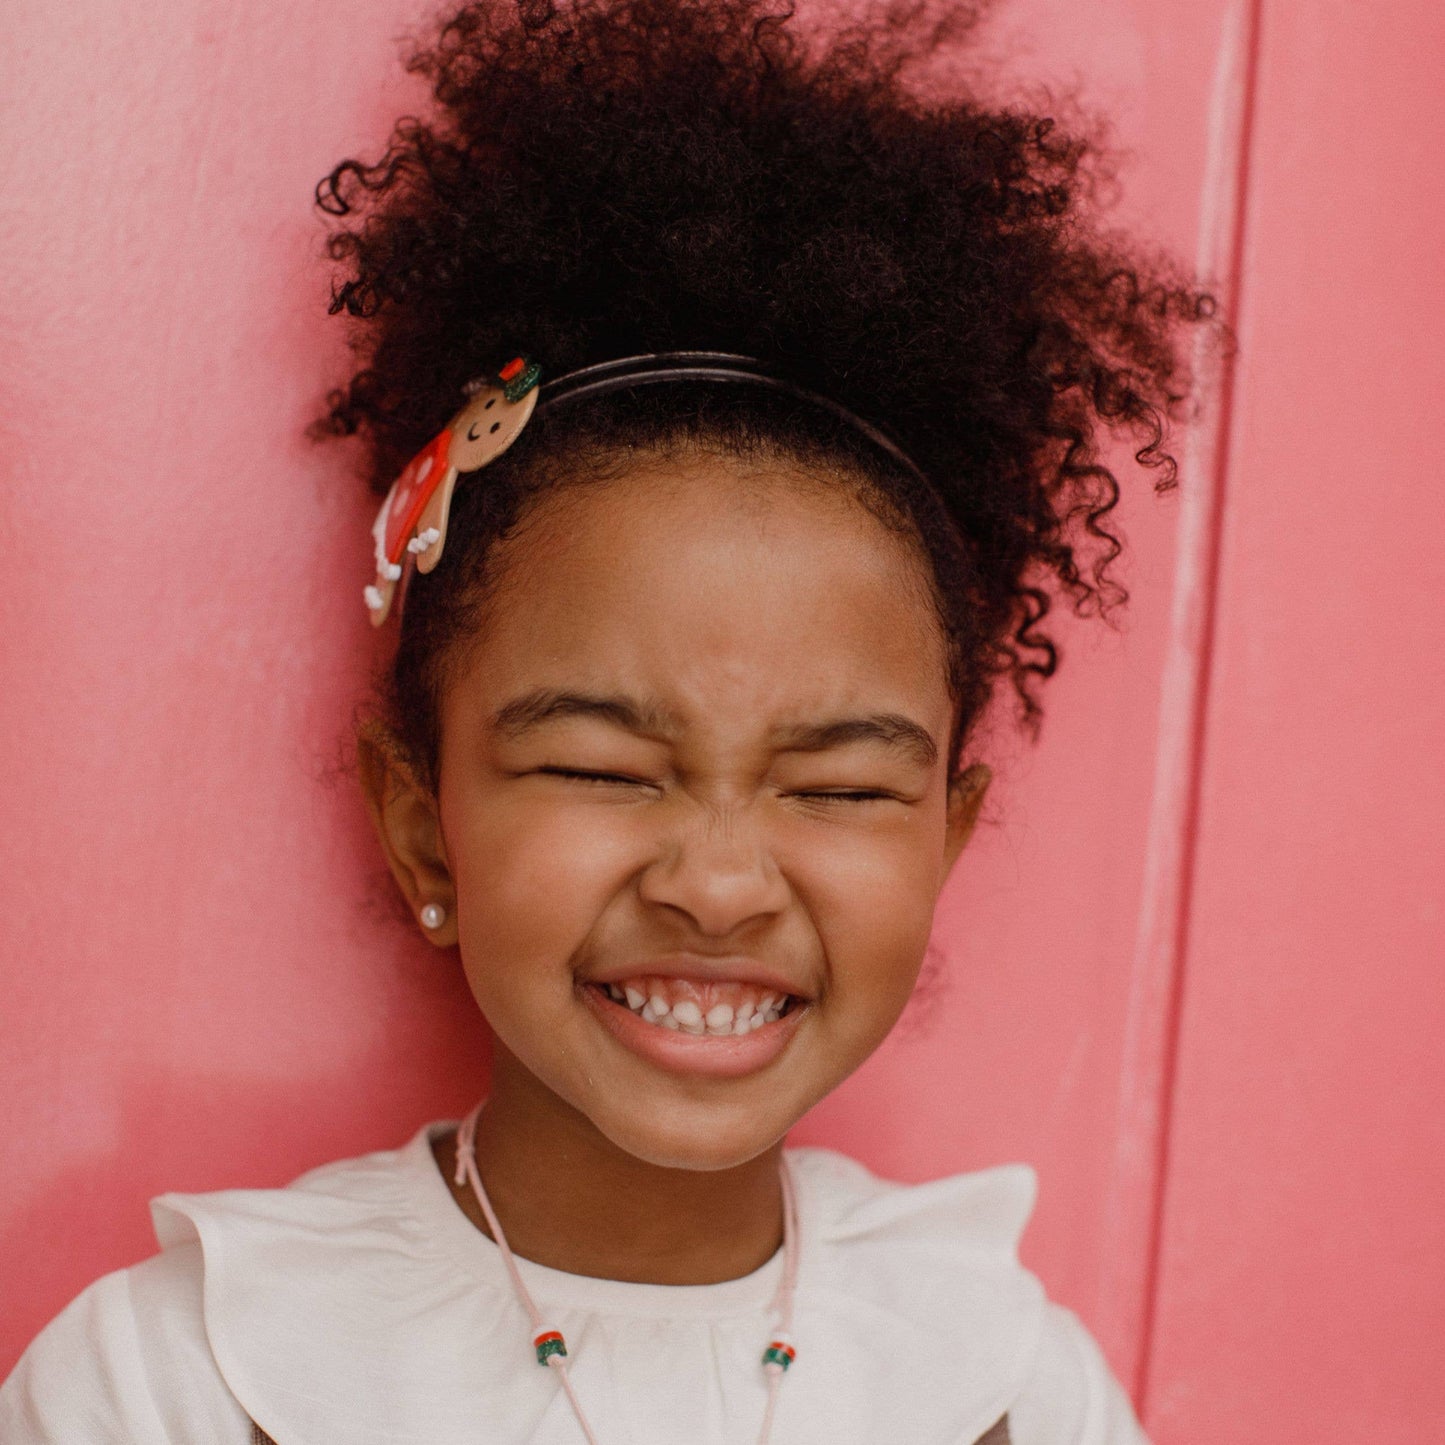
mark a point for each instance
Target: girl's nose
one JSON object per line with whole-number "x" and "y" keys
{"x": 719, "y": 872}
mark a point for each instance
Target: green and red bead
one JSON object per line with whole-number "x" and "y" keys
{"x": 779, "y": 1353}
{"x": 549, "y": 1343}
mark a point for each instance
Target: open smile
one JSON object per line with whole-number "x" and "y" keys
{"x": 720, "y": 1027}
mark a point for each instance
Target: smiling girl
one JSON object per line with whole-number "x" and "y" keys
{"x": 736, "y": 411}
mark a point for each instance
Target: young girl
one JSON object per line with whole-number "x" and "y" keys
{"x": 734, "y": 406}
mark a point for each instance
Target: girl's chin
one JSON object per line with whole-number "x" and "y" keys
{"x": 707, "y": 1144}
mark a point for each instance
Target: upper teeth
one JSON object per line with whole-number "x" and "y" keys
{"x": 686, "y": 1014}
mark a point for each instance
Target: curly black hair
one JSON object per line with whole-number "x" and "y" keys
{"x": 602, "y": 178}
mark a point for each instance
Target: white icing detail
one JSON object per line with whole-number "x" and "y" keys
{"x": 378, "y": 529}
{"x": 374, "y": 600}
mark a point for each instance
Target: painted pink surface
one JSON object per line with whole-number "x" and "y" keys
{"x": 1302, "y": 1269}
{"x": 203, "y": 983}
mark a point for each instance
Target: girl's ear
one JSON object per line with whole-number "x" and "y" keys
{"x": 408, "y": 825}
{"x": 965, "y": 799}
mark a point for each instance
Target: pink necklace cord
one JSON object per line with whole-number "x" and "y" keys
{"x": 550, "y": 1339}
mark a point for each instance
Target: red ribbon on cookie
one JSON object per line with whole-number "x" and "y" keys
{"x": 413, "y": 518}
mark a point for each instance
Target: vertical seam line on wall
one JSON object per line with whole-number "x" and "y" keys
{"x": 1211, "y": 561}
{"x": 1151, "y": 1049}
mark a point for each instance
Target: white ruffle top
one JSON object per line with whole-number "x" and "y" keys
{"x": 359, "y": 1306}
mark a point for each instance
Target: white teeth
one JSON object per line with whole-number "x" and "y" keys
{"x": 720, "y": 1018}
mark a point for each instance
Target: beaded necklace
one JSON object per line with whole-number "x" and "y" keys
{"x": 548, "y": 1343}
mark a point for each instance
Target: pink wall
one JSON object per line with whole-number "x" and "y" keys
{"x": 1187, "y": 968}
{"x": 1302, "y": 1267}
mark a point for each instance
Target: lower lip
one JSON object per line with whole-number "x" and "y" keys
{"x": 729, "y": 1056}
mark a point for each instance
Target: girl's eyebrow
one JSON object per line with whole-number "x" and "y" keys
{"x": 889, "y": 728}
{"x": 544, "y": 705}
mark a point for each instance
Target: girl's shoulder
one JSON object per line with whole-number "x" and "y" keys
{"x": 127, "y": 1360}
{"x": 937, "y": 1265}
{"x": 132, "y": 1357}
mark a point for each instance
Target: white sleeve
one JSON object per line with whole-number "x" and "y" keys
{"x": 1071, "y": 1398}
{"x": 126, "y": 1363}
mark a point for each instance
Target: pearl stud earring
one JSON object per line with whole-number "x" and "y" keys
{"x": 433, "y": 915}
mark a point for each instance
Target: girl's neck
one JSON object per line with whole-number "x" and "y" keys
{"x": 568, "y": 1198}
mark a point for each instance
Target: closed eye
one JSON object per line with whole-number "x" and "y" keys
{"x": 853, "y": 795}
{"x": 583, "y": 776}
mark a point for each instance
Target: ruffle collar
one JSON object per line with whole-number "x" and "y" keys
{"x": 360, "y": 1304}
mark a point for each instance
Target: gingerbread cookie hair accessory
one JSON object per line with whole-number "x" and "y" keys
{"x": 413, "y": 518}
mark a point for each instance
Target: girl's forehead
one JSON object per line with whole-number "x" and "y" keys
{"x": 697, "y": 586}
{"x": 695, "y": 517}
{"x": 725, "y": 562}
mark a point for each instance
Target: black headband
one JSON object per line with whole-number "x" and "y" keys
{"x": 660, "y": 366}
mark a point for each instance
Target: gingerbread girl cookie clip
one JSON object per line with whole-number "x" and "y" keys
{"x": 413, "y": 518}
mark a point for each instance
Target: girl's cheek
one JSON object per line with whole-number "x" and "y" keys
{"x": 540, "y": 875}
{"x": 872, "y": 906}
{"x": 877, "y": 878}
